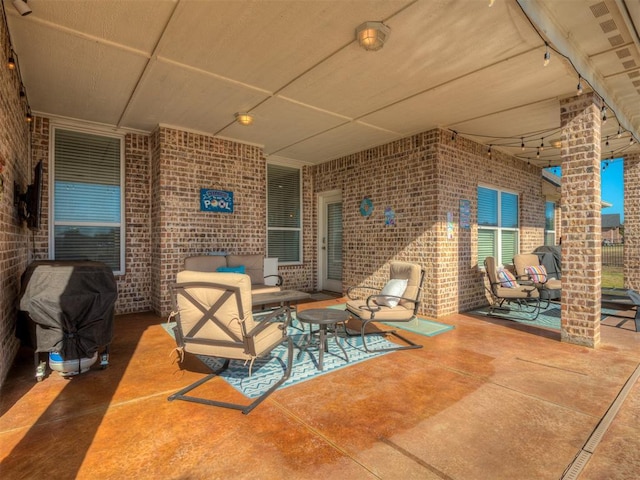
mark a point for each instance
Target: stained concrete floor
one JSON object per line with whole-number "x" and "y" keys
{"x": 490, "y": 399}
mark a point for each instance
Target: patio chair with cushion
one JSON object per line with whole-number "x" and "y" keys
{"x": 398, "y": 301}
{"x": 530, "y": 270}
{"x": 508, "y": 294}
{"x": 213, "y": 318}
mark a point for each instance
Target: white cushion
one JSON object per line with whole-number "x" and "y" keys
{"x": 395, "y": 287}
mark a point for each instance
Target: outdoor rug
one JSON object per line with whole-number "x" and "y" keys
{"x": 548, "y": 318}
{"x": 418, "y": 325}
{"x": 266, "y": 371}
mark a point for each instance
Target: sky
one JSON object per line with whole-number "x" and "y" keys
{"x": 612, "y": 186}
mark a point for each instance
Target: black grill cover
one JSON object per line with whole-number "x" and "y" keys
{"x": 72, "y": 305}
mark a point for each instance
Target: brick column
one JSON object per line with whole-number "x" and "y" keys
{"x": 581, "y": 220}
{"x": 632, "y": 221}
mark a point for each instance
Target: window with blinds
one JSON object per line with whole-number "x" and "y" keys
{"x": 284, "y": 214}
{"x": 87, "y": 198}
{"x": 498, "y": 225}
{"x": 550, "y": 223}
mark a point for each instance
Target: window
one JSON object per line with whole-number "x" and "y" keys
{"x": 87, "y": 203}
{"x": 284, "y": 208}
{"x": 498, "y": 225}
{"x": 550, "y": 223}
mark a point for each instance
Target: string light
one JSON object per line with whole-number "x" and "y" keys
{"x": 579, "y": 88}
{"x": 542, "y": 144}
{"x": 11, "y": 62}
{"x": 607, "y": 143}
{"x": 522, "y": 144}
{"x": 604, "y": 113}
{"x": 619, "y": 131}
{"x": 489, "y": 151}
{"x": 547, "y": 55}
{"x": 538, "y": 153}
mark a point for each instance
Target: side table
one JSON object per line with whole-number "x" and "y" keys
{"x": 324, "y": 318}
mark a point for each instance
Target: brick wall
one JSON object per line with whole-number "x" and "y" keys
{"x": 182, "y": 164}
{"x": 632, "y": 222}
{"x": 15, "y": 238}
{"x": 134, "y": 286}
{"x": 423, "y": 178}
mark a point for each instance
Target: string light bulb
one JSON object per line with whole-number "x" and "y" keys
{"x": 619, "y": 131}
{"x": 542, "y": 144}
{"x": 489, "y": 151}
{"x": 28, "y": 117}
{"x": 538, "y": 153}
{"x": 579, "y": 87}
{"x": 522, "y": 144}
{"x": 604, "y": 113}
{"x": 547, "y": 55}
{"x": 11, "y": 62}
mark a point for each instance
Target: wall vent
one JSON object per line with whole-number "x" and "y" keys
{"x": 608, "y": 26}
{"x": 625, "y": 52}
{"x": 616, "y": 41}
{"x": 599, "y": 9}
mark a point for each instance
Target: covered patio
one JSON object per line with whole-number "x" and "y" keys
{"x": 490, "y": 399}
{"x": 464, "y": 95}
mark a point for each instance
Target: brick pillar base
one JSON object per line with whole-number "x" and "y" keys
{"x": 632, "y": 222}
{"x": 581, "y": 220}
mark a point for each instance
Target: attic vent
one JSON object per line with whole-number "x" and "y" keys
{"x": 634, "y": 74}
{"x": 599, "y": 9}
{"x": 608, "y": 26}
{"x": 615, "y": 41}
{"x": 629, "y": 64}
{"x": 623, "y": 53}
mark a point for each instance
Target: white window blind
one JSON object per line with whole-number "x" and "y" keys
{"x": 498, "y": 225}
{"x": 284, "y": 208}
{"x": 334, "y": 241}
{"x": 550, "y": 224}
{"x": 87, "y": 198}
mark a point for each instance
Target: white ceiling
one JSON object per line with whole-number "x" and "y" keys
{"x": 317, "y": 95}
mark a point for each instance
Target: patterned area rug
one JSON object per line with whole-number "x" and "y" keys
{"x": 267, "y": 371}
{"x": 548, "y": 318}
{"x": 418, "y": 325}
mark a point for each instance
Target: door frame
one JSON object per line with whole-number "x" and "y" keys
{"x": 324, "y": 198}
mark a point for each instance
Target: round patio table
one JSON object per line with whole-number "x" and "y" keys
{"x": 324, "y": 318}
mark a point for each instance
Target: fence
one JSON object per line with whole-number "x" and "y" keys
{"x": 612, "y": 255}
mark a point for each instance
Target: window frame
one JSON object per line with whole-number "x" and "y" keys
{"x": 300, "y": 228}
{"x": 54, "y": 127}
{"x": 498, "y": 229}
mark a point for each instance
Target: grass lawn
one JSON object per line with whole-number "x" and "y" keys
{"x": 612, "y": 277}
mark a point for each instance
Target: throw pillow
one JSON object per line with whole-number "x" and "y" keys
{"x": 395, "y": 287}
{"x": 537, "y": 273}
{"x": 238, "y": 269}
{"x": 507, "y": 279}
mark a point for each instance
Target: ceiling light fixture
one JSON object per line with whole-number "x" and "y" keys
{"x": 372, "y": 35}
{"x": 556, "y": 143}
{"x": 244, "y": 118}
{"x": 547, "y": 55}
{"x": 22, "y": 7}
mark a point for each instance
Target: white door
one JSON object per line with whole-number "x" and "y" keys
{"x": 330, "y": 241}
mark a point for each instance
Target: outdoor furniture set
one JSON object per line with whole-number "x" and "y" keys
{"x": 214, "y": 314}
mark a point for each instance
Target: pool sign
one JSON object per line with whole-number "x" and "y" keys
{"x": 216, "y": 201}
